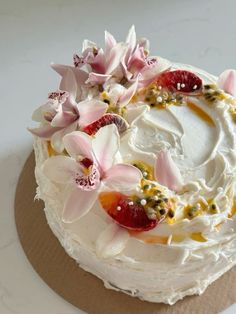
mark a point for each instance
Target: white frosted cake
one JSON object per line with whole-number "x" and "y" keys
{"x": 135, "y": 162}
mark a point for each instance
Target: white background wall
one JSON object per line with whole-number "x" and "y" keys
{"x": 34, "y": 33}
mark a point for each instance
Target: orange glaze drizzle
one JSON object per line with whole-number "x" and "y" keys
{"x": 233, "y": 210}
{"x": 150, "y": 239}
{"x": 51, "y": 151}
{"x": 200, "y": 113}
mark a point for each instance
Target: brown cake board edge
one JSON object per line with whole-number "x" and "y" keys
{"x": 79, "y": 287}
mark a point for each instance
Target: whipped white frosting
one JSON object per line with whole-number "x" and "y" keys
{"x": 206, "y": 157}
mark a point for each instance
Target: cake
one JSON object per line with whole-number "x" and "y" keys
{"x": 135, "y": 163}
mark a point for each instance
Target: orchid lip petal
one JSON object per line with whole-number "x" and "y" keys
{"x": 78, "y": 204}
{"x": 166, "y": 171}
{"x": 111, "y": 241}
{"x": 90, "y": 181}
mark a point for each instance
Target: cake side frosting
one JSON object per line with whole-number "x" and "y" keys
{"x": 188, "y": 246}
{"x": 146, "y": 276}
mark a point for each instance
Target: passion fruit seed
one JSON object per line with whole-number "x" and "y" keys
{"x": 213, "y": 209}
{"x": 192, "y": 211}
{"x": 160, "y": 99}
{"x": 211, "y": 93}
{"x": 171, "y": 213}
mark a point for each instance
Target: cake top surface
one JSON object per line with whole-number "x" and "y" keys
{"x": 145, "y": 144}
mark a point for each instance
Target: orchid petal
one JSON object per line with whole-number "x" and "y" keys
{"x": 105, "y": 145}
{"x": 45, "y": 131}
{"x": 131, "y": 38}
{"x": 63, "y": 119}
{"x": 90, "y": 111}
{"x": 110, "y": 41}
{"x": 88, "y": 44}
{"x": 166, "y": 171}
{"x": 60, "y": 68}
{"x": 97, "y": 78}
{"x": 128, "y": 94}
{"x": 78, "y": 204}
{"x": 149, "y": 72}
{"x": 144, "y": 42}
{"x": 56, "y": 139}
{"x": 98, "y": 62}
{"x": 38, "y": 115}
{"x": 111, "y": 241}
{"x": 78, "y": 144}
{"x": 137, "y": 60}
{"x": 60, "y": 169}
{"x": 122, "y": 177}
{"x": 80, "y": 75}
{"x": 69, "y": 84}
{"x": 115, "y": 57}
{"x": 125, "y": 70}
{"x": 227, "y": 81}
{"x": 114, "y": 90}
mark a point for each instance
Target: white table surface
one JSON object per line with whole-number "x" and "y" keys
{"x": 34, "y": 33}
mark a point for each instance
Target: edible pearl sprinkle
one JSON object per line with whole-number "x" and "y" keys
{"x": 118, "y": 208}
{"x": 143, "y": 202}
{"x": 144, "y": 173}
{"x": 131, "y": 203}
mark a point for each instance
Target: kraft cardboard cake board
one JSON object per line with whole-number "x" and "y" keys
{"x": 84, "y": 290}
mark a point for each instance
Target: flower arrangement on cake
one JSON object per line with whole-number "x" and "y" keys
{"x": 136, "y": 164}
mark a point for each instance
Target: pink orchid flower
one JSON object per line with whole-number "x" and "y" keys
{"x": 227, "y": 81}
{"x": 89, "y": 167}
{"x": 62, "y": 115}
{"x": 126, "y": 59}
{"x": 102, "y": 64}
{"x": 166, "y": 171}
{"x": 119, "y": 95}
{"x": 138, "y": 63}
